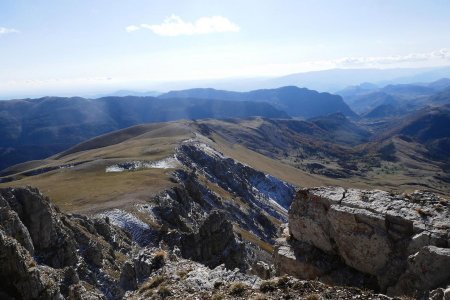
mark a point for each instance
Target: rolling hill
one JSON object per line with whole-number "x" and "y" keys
{"x": 36, "y": 128}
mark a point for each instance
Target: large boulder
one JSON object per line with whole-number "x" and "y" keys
{"x": 390, "y": 237}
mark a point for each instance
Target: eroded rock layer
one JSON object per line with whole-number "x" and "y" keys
{"x": 399, "y": 244}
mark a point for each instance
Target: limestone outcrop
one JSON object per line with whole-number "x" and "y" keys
{"x": 46, "y": 254}
{"x": 399, "y": 242}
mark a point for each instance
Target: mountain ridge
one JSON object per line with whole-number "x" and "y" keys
{"x": 37, "y": 128}
{"x": 298, "y": 102}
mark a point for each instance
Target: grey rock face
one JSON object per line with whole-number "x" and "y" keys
{"x": 214, "y": 243}
{"x": 128, "y": 279}
{"x": 20, "y": 278}
{"x": 401, "y": 240}
{"x": 426, "y": 270}
{"x": 51, "y": 240}
{"x": 305, "y": 261}
{"x": 10, "y": 223}
{"x": 71, "y": 259}
{"x": 188, "y": 214}
{"x": 256, "y": 187}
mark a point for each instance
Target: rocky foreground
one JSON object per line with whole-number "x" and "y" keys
{"x": 370, "y": 240}
{"x": 397, "y": 244}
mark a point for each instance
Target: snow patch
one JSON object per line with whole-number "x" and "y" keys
{"x": 140, "y": 231}
{"x": 166, "y": 163}
{"x": 114, "y": 169}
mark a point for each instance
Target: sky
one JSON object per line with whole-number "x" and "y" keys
{"x": 60, "y": 45}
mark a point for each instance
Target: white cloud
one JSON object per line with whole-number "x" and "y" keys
{"x": 175, "y": 26}
{"x": 132, "y": 28}
{"x": 4, "y": 30}
{"x": 443, "y": 54}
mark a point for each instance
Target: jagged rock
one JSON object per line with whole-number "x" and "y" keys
{"x": 183, "y": 210}
{"x": 325, "y": 241}
{"x": 20, "y": 278}
{"x": 447, "y": 293}
{"x": 69, "y": 277}
{"x": 143, "y": 264}
{"x": 93, "y": 253}
{"x": 262, "y": 270}
{"x": 128, "y": 280}
{"x": 72, "y": 259}
{"x": 80, "y": 292}
{"x": 10, "y": 223}
{"x": 139, "y": 268}
{"x": 256, "y": 187}
{"x": 51, "y": 241}
{"x": 214, "y": 243}
{"x": 186, "y": 279}
{"x": 398, "y": 239}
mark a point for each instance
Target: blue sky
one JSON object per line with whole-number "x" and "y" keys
{"x": 70, "y": 44}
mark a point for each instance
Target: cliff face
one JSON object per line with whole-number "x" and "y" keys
{"x": 47, "y": 254}
{"x": 399, "y": 244}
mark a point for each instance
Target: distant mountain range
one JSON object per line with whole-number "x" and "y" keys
{"x": 124, "y": 93}
{"x": 297, "y": 102}
{"x": 37, "y": 128}
{"x": 372, "y": 101}
{"x": 331, "y": 80}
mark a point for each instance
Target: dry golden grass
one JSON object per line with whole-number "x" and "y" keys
{"x": 423, "y": 213}
{"x": 237, "y": 289}
{"x": 88, "y": 188}
{"x": 313, "y": 297}
{"x": 153, "y": 282}
{"x": 93, "y": 189}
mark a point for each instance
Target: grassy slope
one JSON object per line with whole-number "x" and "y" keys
{"x": 88, "y": 188}
{"x": 412, "y": 170}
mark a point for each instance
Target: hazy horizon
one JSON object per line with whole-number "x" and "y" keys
{"x": 82, "y": 47}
